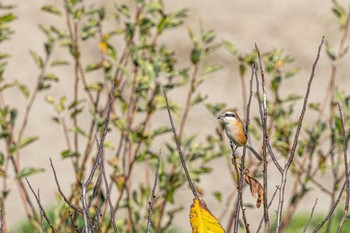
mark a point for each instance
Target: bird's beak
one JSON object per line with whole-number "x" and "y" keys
{"x": 219, "y": 117}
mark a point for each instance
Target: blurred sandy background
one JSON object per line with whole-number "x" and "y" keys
{"x": 295, "y": 26}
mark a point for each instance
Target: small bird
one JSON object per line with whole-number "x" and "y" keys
{"x": 236, "y": 132}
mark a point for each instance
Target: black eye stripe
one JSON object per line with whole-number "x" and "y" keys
{"x": 229, "y": 115}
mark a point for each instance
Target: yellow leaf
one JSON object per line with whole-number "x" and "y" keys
{"x": 202, "y": 221}
{"x": 278, "y": 64}
{"x": 103, "y": 47}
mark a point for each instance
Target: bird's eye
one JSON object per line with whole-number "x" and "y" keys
{"x": 229, "y": 115}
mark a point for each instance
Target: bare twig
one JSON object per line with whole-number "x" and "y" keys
{"x": 61, "y": 192}
{"x": 262, "y": 218}
{"x": 264, "y": 123}
{"x": 156, "y": 177}
{"x": 347, "y": 181}
{"x": 85, "y": 208}
{"x": 15, "y": 162}
{"x": 188, "y": 101}
{"x": 33, "y": 97}
{"x": 239, "y": 202}
{"x": 105, "y": 130}
{"x": 340, "y": 52}
{"x": 331, "y": 211}
{"x": 1, "y": 222}
{"x": 179, "y": 148}
{"x": 266, "y": 136}
{"x": 108, "y": 194}
{"x": 41, "y": 207}
{"x": 240, "y": 180}
{"x": 295, "y": 143}
{"x": 73, "y": 222}
{"x": 310, "y": 218}
{"x": 100, "y": 161}
{"x": 41, "y": 216}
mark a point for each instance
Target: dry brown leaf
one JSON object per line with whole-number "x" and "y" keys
{"x": 256, "y": 188}
{"x": 202, "y": 220}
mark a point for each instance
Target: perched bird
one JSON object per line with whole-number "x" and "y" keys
{"x": 236, "y": 132}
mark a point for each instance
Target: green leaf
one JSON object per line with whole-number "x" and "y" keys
{"x": 290, "y": 73}
{"x": 124, "y": 10}
{"x": 13, "y": 116}
{"x": 208, "y": 37}
{"x": 218, "y": 196}
{"x": 211, "y": 69}
{"x": 47, "y": 32}
{"x": 59, "y": 62}
{"x": 109, "y": 145}
{"x": 48, "y": 48}
{"x": 170, "y": 195}
{"x": 37, "y": 59}
{"x": 22, "y": 88}
{"x": 93, "y": 66}
{"x": 196, "y": 54}
{"x": 78, "y": 130}
{"x": 292, "y": 98}
{"x": 2, "y": 173}
{"x": 28, "y": 140}
{"x": 161, "y": 130}
{"x": 28, "y": 171}
{"x": 230, "y": 47}
{"x": 2, "y": 158}
{"x": 51, "y": 9}
{"x": 242, "y": 69}
{"x": 69, "y": 154}
{"x": 340, "y": 12}
{"x": 330, "y": 51}
{"x": 215, "y": 108}
{"x": 5, "y": 134}
{"x": 95, "y": 86}
{"x": 7, "y": 18}
{"x": 198, "y": 99}
{"x": 51, "y": 77}
{"x": 4, "y": 56}
{"x": 314, "y": 106}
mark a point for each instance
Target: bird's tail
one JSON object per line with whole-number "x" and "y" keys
{"x": 254, "y": 152}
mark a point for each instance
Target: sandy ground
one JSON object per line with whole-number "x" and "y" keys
{"x": 296, "y": 26}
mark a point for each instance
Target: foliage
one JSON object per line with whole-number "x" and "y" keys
{"x": 117, "y": 98}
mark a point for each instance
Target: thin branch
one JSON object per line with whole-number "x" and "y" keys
{"x": 347, "y": 181}
{"x": 99, "y": 160}
{"x": 272, "y": 198}
{"x": 340, "y": 52}
{"x": 61, "y": 192}
{"x": 33, "y": 97}
{"x": 267, "y": 140}
{"x": 295, "y": 143}
{"x": 264, "y": 123}
{"x": 188, "y": 101}
{"x": 85, "y": 208}
{"x": 1, "y": 221}
{"x": 179, "y": 148}
{"x": 41, "y": 216}
{"x": 41, "y": 207}
{"x": 156, "y": 177}
{"x": 309, "y": 220}
{"x": 330, "y": 213}
{"x": 108, "y": 193}
{"x": 240, "y": 172}
{"x": 73, "y": 222}
{"x": 239, "y": 202}
{"x": 100, "y": 148}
